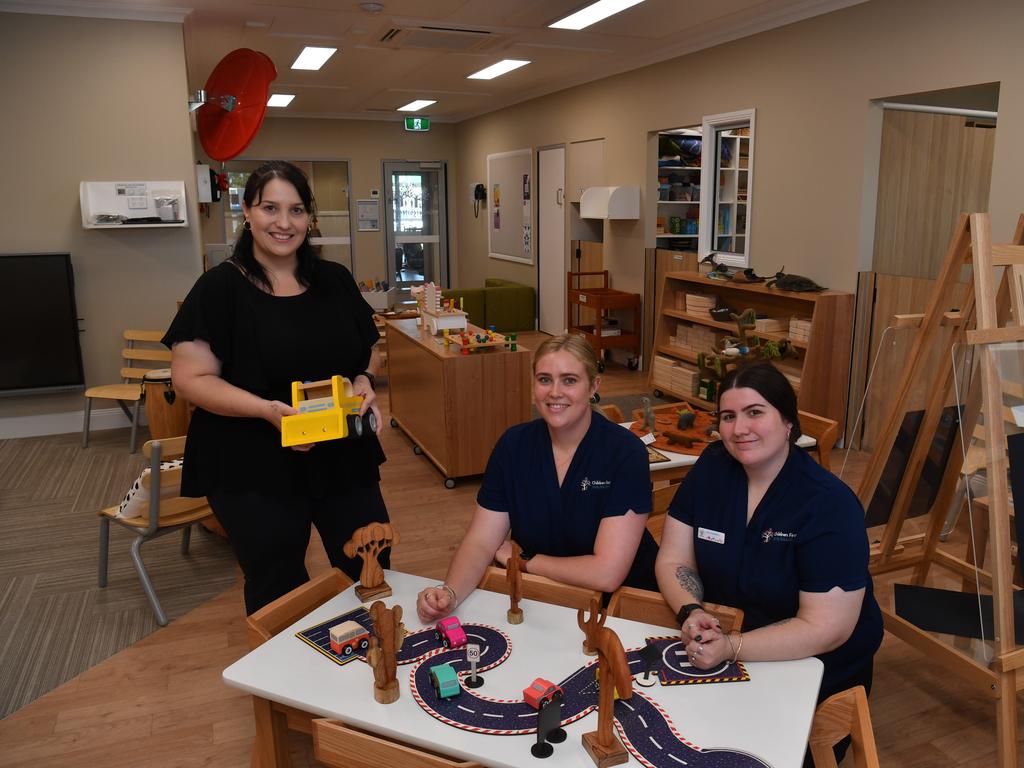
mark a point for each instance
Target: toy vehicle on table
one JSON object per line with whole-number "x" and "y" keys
{"x": 328, "y": 410}
{"x": 445, "y": 681}
{"x": 450, "y": 632}
{"x": 541, "y": 691}
{"x": 348, "y": 636}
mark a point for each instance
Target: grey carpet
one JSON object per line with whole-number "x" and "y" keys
{"x": 55, "y": 622}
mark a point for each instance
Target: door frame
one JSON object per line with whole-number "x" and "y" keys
{"x": 388, "y": 167}
{"x": 542, "y": 287}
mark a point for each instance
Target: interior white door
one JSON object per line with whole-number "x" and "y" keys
{"x": 551, "y": 239}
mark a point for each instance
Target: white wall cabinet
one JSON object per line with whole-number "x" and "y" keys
{"x": 133, "y": 204}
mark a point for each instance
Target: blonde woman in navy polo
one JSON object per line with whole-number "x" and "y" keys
{"x": 572, "y": 489}
{"x": 758, "y": 525}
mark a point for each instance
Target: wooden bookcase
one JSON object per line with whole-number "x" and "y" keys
{"x": 820, "y": 374}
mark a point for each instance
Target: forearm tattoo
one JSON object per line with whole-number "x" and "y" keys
{"x": 689, "y": 580}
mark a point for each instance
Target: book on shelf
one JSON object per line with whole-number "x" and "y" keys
{"x": 771, "y": 325}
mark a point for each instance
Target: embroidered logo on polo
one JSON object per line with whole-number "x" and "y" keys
{"x": 770, "y": 536}
{"x": 598, "y": 485}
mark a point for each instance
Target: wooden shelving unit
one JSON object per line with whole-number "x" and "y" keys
{"x": 820, "y": 374}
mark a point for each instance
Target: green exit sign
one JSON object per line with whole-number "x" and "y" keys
{"x": 417, "y": 123}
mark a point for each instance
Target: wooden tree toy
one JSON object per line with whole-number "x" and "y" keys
{"x": 367, "y": 542}
{"x": 388, "y": 636}
{"x": 590, "y": 625}
{"x": 514, "y": 574}
{"x": 616, "y": 681}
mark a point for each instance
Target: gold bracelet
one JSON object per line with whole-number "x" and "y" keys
{"x": 738, "y": 648}
{"x": 731, "y": 646}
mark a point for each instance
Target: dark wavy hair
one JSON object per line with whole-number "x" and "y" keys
{"x": 243, "y": 254}
{"x": 765, "y": 379}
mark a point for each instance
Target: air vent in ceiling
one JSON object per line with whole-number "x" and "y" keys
{"x": 439, "y": 38}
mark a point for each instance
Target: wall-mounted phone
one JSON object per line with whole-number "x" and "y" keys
{"x": 479, "y": 196}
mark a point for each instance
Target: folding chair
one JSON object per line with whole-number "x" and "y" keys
{"x": 844, "y": 714}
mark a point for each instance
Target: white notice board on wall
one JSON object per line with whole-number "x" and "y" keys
{"x": 510, "y": 220}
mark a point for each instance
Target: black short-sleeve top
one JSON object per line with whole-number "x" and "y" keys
{"x": 264, "y": 343}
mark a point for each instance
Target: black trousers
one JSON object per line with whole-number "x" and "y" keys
{"x": 270, "y": 534}
{"x": 863, "y": 677}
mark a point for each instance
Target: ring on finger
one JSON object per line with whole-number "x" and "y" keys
{"x": 700, "y": 649}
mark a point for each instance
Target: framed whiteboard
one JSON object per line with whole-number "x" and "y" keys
{"x": 510, "y": 219}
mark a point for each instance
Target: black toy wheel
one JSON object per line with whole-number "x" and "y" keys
{"x": 444, "y": 641}
{"x": 417, "y": 450}
{"x": 394, "y": 423}
{"x": 449, "y": 483}
{"x": 658, "y": 393}
{"x": 633, "y": 363}
{"x": 355, "y": 426}
{"x": 369, "y": 422}
{"x": 348, "y": 650}
{"x": 364, "y": 644}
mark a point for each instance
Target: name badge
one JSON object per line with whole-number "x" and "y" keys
{"x": 708, "y": 535}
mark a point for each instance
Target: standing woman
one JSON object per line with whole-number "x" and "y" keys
{"x": 572, "y": 488}
{"x": 272, "y": 314}
{"x": 758, "y": 525}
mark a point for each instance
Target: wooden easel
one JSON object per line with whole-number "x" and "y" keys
{"x": 982, "y": 320}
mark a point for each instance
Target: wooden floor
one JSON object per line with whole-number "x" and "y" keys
{"x": 161, "y": 702}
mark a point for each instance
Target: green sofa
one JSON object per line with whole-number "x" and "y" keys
{"x": 507, "y": 305}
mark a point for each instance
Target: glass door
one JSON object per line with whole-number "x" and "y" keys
{"x": 416, "y": 216}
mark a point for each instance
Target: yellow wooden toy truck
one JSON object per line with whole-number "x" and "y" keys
{"x": 328, "y": 410}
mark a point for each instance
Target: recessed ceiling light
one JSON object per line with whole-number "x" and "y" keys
{"x": 372, "y": 7}
{"x": 594, "y": 13}
{"x": 313, "y": 57}
{"x": 280, "y": 99}
{"x": 496, "y": 70}
{"x": 416, "y": 106}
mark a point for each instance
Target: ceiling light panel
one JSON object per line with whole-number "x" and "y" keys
{"x": 280, "y": 99}
{"x": 594, "y": 13}
{"x": 313, "y": 57}
{"x": 416, "y": 106}
{"x": 497, "y": 70}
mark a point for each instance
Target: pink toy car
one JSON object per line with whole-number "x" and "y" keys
{"x": 450, "y": 632}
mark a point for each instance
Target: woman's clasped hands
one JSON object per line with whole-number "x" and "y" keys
{"x": 706, "y": 644}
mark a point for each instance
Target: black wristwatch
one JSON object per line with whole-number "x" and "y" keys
{"x": 686, "y": 610}
{"x": 370, "y": 377}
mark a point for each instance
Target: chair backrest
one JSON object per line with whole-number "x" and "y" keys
{"x": 166, "y": 506}
{"x": 844, "y": 714}
{"x": 650, "y": 608}
{"x": 612, "y": 413}
{"x": 341, "y": 746}
{"x": 825, "y": 431}
{"x": 287, "y": 609}
{"x": 660, "y": 499}
{"x": 540, "y": 588}
{"x": 142, "y": 353}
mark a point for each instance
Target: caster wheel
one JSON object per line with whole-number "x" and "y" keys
{"x": 394, "y": 423}
{"x": 658, "y": 393}
{"x": 355, "y": 426}
{"x": 417, "y": 450}
{"x": 449, "y": 483}
{"x": 632, "y": 364}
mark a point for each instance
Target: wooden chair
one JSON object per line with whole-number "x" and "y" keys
{"x": 138, "y": 361}
{"x": 160, "y": 517}
{"x": 844, "y": 714}
{"x": 540, "y": 588}
{"x": 660, "y": 499}
{"x": 650, "y": 608}
{"x": 612, "y": 413}
{"x": 825, "y": 432}
{"x": 341, "y": 746}
{"x": 274, "y": 617}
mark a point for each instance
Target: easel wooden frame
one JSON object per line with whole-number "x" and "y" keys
{"x": 980, "y": 321}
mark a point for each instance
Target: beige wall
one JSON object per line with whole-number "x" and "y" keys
{"x": 91, "y": 99}
{"x": 811, "y": 84}
{"x": 365, "y": 144}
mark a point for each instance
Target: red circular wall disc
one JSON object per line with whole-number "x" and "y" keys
{"x": 246, "y": 75}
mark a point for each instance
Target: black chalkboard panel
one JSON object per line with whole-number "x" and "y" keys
{"x": 39, "y": 347}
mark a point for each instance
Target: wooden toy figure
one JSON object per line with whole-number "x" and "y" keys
{"x": 590, "y": 625}
{"x": 514, "y": 574}
{"x": 648, "y": 423}
{"x": 613, "y": 670}
{"x": 367, "y": 542}
{"x": 388, "y": 636}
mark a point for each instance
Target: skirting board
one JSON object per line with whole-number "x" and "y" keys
{"x": 63, "y": 423}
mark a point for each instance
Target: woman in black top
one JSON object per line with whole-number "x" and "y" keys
{"x": 272, "y": 314}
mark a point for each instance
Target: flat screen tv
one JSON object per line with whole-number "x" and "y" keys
{"x": 39, "y": 346}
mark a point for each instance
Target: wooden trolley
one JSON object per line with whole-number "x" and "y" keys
{"x": 602, "y": 300}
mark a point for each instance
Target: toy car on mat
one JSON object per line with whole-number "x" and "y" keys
{"x": 541, "y": 691}
{"x": 328, "y": 410}
{"x": 450, "y": 632}
{"x": 348, "y": 636}
{"x": 445, "y": 681}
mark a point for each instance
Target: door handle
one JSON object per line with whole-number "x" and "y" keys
{"x": 558, "y": 196}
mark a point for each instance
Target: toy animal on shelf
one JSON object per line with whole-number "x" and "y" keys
{"x": 795, "y": 283}
{"x": 745, "y": 346}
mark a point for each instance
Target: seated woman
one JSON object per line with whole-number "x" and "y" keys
{"x": 758, "y": 525}
{"x": 573, "y": 488}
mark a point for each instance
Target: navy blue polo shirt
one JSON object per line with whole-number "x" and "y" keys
{"x": 807, "y": 534}
{"x": 609, "y": 476}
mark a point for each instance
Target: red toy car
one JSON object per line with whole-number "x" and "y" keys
{"x": 347, "y": 637}
{"x": 541, "y": 691}
{"x": 450, "y": 632}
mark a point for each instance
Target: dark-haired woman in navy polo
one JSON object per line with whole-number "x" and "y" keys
{"x": 572, "y": 488}
{"x": 758, "y": 525}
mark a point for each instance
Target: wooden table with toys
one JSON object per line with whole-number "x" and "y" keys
{"x": 478, "y": 688}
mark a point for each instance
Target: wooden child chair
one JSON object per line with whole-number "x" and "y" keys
{"x": 844, "y": 714}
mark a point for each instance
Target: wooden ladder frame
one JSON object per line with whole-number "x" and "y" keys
{"x": 982, "y": 320}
